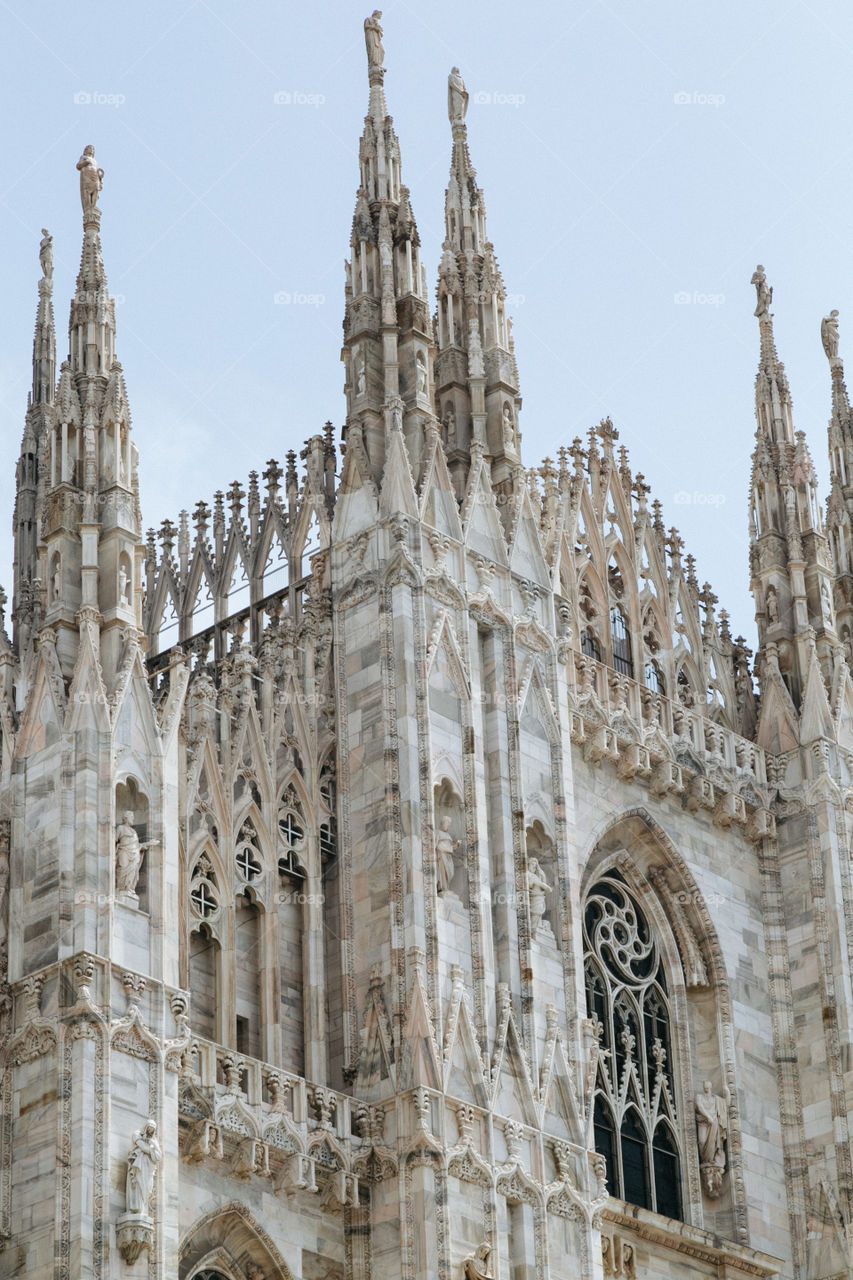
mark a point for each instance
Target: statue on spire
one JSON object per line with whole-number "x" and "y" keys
{"x": 829, "y": 335}
{"x": 765, "y": 293}
{"x": 46, "y": 255}
{"x": 373, "y": 40}
{"x": 457, "y": 97}
{"x": 91, "y": 179}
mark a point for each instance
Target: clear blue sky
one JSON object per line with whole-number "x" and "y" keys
{"x": 607, "y": 198}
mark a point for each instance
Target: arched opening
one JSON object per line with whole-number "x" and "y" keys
{"x": 627, "y": 996}
{"x": 204, "y": 982}
{"x": 249, "y": 968}
{"x": 620, "y": 638}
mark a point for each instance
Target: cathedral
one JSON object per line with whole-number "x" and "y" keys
{"x": 404, "y": 872}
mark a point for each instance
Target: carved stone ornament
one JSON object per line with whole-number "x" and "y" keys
{"x": 478, "y": 1266}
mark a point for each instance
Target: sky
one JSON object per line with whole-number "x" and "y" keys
{"x": 637, "y": 163}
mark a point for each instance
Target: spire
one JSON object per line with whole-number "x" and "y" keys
{"x": 790, "y": 564}
{"x": 387, "y": 327}
{"x": 87, "y": 506}
{"x": 92, "y": 326}
{"x": 839, "y": 508}
{"x": 44, "y": 342}
{"x": 477, "y": 379}
{"x": 34, "y": 446}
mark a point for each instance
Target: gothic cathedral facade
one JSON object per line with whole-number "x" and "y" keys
{"x": 401, "y": 875}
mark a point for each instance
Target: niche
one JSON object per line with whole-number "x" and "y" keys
{"x": 125, "y": 582}
{"x": 542, "y": 884}
{"x": 451, "y": 877}
{"x": 130, "y": 801}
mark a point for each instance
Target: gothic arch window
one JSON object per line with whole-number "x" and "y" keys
{"x": 620, "y": 637}
{"x": 247, "y": 858}
{"x": 590, "y": 644}
{"x": 292, "y": 839}
{"x": 634, "y": 1117}
{"x": 653, "y": 677}
{"x": 328, "y": 829}
{"x": 204, "y": 949}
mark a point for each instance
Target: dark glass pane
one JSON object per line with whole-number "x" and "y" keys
{"x": 634, "y": 1162}
{"x": 621, "y": 637}
{"x": 667, "y": 1180}
{"x": 605, "y": 1142}
{"x": 590, "y": 645}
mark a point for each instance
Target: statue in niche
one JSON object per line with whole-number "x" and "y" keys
{"x": 386, "y": 255}
{"x": 537, "y": 888}
{"x": 91, "y": 179}
{"x": 508, "y": 429}
{"x": 477, "y": 1267}
{"x": 373, "y": 40}
{"x": 46, "y": 254}
{"x": 772, "y": 605}
{"x": 145, "y": 1156}
{"x": 128, "y": 855}
{"x": 361, "y": 376}
{"x": 457, "y": 97}
{"x": 122, "y": 586}
{"x": 825, "y": 601}
{"x": 829, "y": 335}
{"x": 450, "y": 427}
{"x": 712, "y": 1128}
{"x": 57, "y": 578}
{"x": 422, "y": 378}
{"x": 444, "y": 849}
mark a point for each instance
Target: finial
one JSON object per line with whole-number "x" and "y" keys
{"x": 763, "y": 290}
{"x": 375, "y": 48}
{"x": 91, "y": 181}
{"x": 829, "y": 335}
{"x": 457, "y": 98}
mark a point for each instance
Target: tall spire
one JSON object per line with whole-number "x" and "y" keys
{"x": 789, "y": 556}
{"x": 34, "y": 445}
{"x": 839, "y": 508}
{"x": 44, "y": 342}
{"x": 476, "y": 373}
{"x": 387, "y": 327}
{"x": 88, "y": 508}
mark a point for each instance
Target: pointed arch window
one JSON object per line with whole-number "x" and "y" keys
{"x": 634, "y": 1118}
{"x": 291, "y": 830}
{"x": 620, "y": 636}
{"x": 653, "y": 677}
{"x": 590, "y": 645}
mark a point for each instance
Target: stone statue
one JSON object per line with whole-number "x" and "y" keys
{"x": 829, "y": 335}
{"x": 457, "y": 97}
{"x": 712, "y": 1127}
{"x": 373, "y": 40}
{"x": 772, "y": 605}
{"x": 508, "y": 429}
{"x": 386, "y": 255}
{"x": 361, "y": 377}
{"x": 422, "y": 378}
{"x": 91, "y": 179}
{"x": 477, "y": 1267}
{"x": 444, "y": 847}
{"x": 537, "y": 888}
{"x": 145, "y": 1155}
{"x": 128, "y": 854}
{"x": 765, "y": 293}
{"x": 57, "y": 578}
{"x": 450, "y": 427}
{"x": 46, "y": 254}
{"x": 122, "y": 585}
